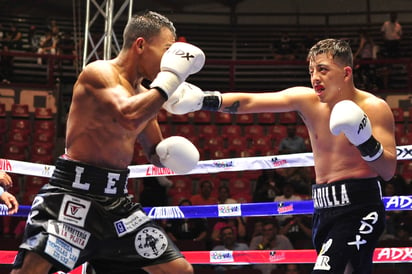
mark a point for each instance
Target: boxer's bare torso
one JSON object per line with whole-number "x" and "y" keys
{"x": 335, "y": 157}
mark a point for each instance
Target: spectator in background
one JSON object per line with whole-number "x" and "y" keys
{"x": 204, "y": 197}
{"x": 12, "y": 41}
{"x": 254, "y": 227}
{"x": 236, "y": 223}
{"x": 288, "y": 194}
{"x": 392, "y": 34}
{"x": 54, "y": 28}
{"x": 301, "y": 180}
{"x": 284, "y": 48}
{"x": 365, "y": 74}
{"x": 33, "y": 38}
{"x": 268, "y": 185}
{"x": 304, "y": 46}
{"x": 292, "y": 143}
{"x": 13, "y": 38}
{"x": 404, "y": 231}
{"x": 194, "y": 229}
{"x": 298, "y": 229}
{"x": 224, "y": 196}
{"x": 395, "y": 187}
{"x": 269, "y": 240}
{"x": 47, "y": 45}
{"x": 229, "y": 242}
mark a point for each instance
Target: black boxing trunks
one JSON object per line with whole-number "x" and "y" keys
{"x": 84, "y": 214}
{"x": 348, "y": 219}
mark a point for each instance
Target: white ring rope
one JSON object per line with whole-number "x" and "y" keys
{"x": 203, "y": 167}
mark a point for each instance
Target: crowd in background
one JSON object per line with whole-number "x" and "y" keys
{"x": 44, "y": 40}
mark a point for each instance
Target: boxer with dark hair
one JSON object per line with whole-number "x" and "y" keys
{"x": 84, "y": 213}
{"x": 352, "y": 138}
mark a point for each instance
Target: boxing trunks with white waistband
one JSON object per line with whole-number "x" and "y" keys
{"x": 348, "y": 219}
{"x": 85, "y": 214}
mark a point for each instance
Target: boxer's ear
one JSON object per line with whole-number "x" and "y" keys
{"x": 347, "y": 71}
{"x": 139, "y": 44}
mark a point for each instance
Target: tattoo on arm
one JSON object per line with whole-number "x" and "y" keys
{"x": 233, "y": 108}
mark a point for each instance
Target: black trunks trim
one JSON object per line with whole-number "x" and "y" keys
{"x": 346, "y": 192}
{"x": 85, "y": 178}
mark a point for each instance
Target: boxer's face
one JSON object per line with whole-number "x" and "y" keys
{"x": 326, "y": 76}
{"x": 154, "y": 48}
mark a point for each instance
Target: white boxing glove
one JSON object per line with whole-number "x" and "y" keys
{"x": 178, "y": 154}
{"x": 349, "y": 118}
{"x": 188, "y": 98}
{"x": 178, "y": 62}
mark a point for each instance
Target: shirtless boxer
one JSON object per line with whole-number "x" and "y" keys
{"x": 8, "y": 199}
{"x": 84, "y": 213}
{"x": 352, "y": 137}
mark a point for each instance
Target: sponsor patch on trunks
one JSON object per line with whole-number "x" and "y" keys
{"x": 131, "y": 223}
{"x": 71, "y": 234}
{"x": 150, "y": 243}
{"x": 74, "y": 210}
{"x": 61, "y": 251}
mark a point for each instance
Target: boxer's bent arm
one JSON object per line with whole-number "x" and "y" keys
{"x": 100, "y": 81}
{"x": 383, "y": 129}
{"x": 148, "y": 139}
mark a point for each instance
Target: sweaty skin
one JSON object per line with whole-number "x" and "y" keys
{"x": 105, "y": 115}
{"x": 110, "y": 111}
{"x": 335, "y": 157}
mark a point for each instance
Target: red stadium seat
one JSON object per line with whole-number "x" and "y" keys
{"x": 254, "y": 130}
{"x": 185, "y": 130}
{"x": 277, "y": 133}
{"x": 43, "y": 113}
{"x": 44, "y": 136}
{"x": 245, "y": 118}
{"x": 166, "y": 129}
{"x": 266, "y": 118}
{"x": 237, "y": 143}
{"x": 398, "y": 114}
{"x": 162, "y": 116}
{"x": 288, "y": 117}
{"x": 49, "y": 125}
{"x": 42, "y": 149}
{"x": 231, "y": 130}
{"x": 3, "y": 110}
{"x": 20, "y": 124}
{"x": 205, "y": 131}
{"x": 261, "y": 145}
{"x": 21, "y": 137}
{"x": 20, "y": 110}
{"x": 202, "y": 117}
{"x": 223, "y": 118}
{"x": 3, "y": 126}
{"x": 15, "y": 151}
{"x": 180, "y": 118}
{"x": 405, "y": 139}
